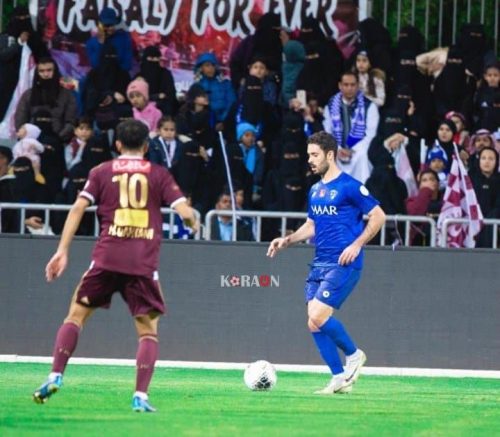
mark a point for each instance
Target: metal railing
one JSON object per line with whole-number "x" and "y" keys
{"x": 48, "y": 208}
{"x": 407, "y": 220}
{"x": 409, "y": 11}
{"x": 460, "y": 221}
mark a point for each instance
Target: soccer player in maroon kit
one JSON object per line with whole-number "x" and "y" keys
{"x": 129, "y": 192}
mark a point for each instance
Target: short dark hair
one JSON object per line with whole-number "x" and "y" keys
{"x": 348, "y": 73}
{"x": 165, "y": 119}
{"x": 85, "y": 121}
{"x": 133, "y": 134}
{"x": 427, "y": 171}
{"x": 325, "y": 141}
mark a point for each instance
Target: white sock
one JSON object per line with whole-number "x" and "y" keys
{"x": 54, "y": 375}
{"x": 142, "y": 395}
{"x": 354, "y": 355}
{"x": 339, "y": 375}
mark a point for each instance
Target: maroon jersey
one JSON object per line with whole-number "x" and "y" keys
{"x": 129, "y": 192}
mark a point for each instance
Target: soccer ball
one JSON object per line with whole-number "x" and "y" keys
{"x": 260, "y": 375}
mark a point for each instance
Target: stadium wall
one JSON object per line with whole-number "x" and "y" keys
{"x": 427, "y": 308}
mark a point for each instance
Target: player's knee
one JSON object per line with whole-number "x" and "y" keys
{"x": 312, "y": 326}
{"x": 317, "y": 319}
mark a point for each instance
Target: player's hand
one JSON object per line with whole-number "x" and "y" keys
{"x": 349, "y": 254}
{"x": 194, "y": 225}
{"x": 56, "y": 266}
{"x": 276, "y": 245}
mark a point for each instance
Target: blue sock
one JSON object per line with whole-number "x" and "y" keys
{"x": 328, "y": 351}
{"x": 335, "y": 330}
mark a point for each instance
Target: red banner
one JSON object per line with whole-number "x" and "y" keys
{"x": 182, "y": 28}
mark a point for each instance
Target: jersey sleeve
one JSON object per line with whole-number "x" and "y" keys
{"x": 309, "y": 209}
{"x": 362, "y": 198}
{"x": 91, "y": 190}
{"x": 171, "y": 194}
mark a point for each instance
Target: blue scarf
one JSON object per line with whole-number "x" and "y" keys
{"x": 358, "y": 120}
{"x": 249, "y": 157}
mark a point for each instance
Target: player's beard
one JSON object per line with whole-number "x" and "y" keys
{"x": 322, "y": 168}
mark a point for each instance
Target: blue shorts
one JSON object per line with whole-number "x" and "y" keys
{"x": 331, "y": 285}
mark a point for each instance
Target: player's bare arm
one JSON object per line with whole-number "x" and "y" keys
{"x": 305, "y": 232}
{"x": 188, "y": 216}
{"x": 59, "y": 260}
{"x": 376, "y": 219}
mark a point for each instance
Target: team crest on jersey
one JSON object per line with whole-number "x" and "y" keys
{"x": 131, "y": 166}
{"x": 322, "y": 193}
{"x": 364, "y": 191}
{"x": 333, "y": 194}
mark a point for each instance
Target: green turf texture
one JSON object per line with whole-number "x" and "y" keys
{"x": 95, "y": 400}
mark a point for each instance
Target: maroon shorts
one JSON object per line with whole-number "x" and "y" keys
{"x": 142, "y": 294}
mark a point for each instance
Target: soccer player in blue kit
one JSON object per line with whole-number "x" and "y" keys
{"x": 335, "y": 220}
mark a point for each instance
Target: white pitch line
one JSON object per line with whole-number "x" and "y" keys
{"x": 377, "y": 371}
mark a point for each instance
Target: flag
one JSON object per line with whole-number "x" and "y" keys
{"x": 26, "y": 73}
{"x": 460, "y": 201}
{"x": 404, "y": 170}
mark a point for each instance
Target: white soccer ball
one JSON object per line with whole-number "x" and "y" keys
{"x": 260, "y": 375}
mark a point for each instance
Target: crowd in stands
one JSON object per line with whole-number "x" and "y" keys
{"x": 381, "y": 105}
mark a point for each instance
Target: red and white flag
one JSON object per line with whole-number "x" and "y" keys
{"x": 460, "y": 201}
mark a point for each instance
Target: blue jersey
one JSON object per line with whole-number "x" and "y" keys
{"x": 337, "y": 209}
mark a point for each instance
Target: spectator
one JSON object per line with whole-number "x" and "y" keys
{"x": 194, "y": 119}
{"x": 294, "y": 57}
{"x": 313, "y": 115}
{"x": 6, "y": 157}
{"x": 265, "y": 43}
{"x": 160, "y": 81}
{"x": 48, "y": 94}
{"x": 143, "y": 109}
{"x": 285, "y": 188}
{"x": 74, "y": 150}
{"x": 486, "y": 183}
{"x": 19, "y": 32}
{"x": 164, "y": 149}
{"x": 220, "y": 92}
{"x": 461, "y": 137}
{"x": 9, "y": 218}
{"x": 258, "y": 68}
{"x": 180, "y": 155}
{"x": 487, "y": 99}
{"x": 292, "y": 132}
{"x": 29, "y": 147}
{"x": 53, "y": 165}
{"x": 479, "y": 140}
{"x": 222, "y": 225}
{"x": 109, "y": 34}
{"x": 375, "y": 38}
{"x": 252, "y": 157}
{"x": 450, "y": 84}
{"x": 96, "y": 152}
{"x": 28, "y": 190}
{"x": 77, "y": 177}
{"x": 445, "y": 133}
{"x": 252, "y": 107}
{"x": 353, "y": 120}
{"x": 427, "y": 202}
{"x": 437, "y": 161}
{"x": 322, "y": 55}
{"x": 384, "y": 183}
{"x": 371, "y": 80}
{"x": 105, "y": 89}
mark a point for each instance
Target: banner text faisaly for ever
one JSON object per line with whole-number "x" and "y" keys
{"x": 231, "y": 16}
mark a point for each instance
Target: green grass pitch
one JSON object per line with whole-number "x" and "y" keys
{"x": 95, "y": 400}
